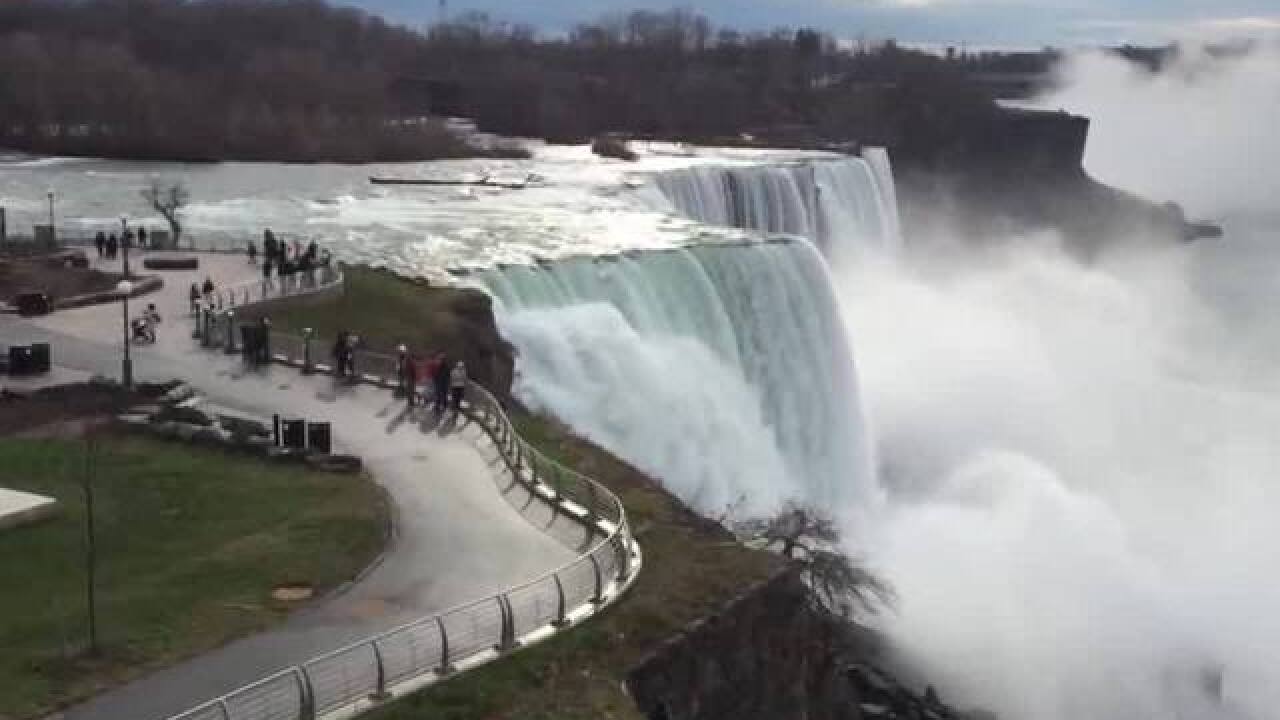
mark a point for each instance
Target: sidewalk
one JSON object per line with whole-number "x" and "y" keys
{"x": 456, "y": 538}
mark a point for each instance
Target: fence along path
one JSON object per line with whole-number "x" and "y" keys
{"x": 351, "y": 679}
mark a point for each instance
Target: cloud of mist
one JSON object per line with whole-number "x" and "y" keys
{"x": 1081, "y": 459}
{"x": 1202, "y": 132}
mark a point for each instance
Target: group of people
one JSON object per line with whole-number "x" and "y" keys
{"x": 201, "y": 293}
{"x": 286, "y": 260}
{"x": 447, "y": 381}
{"x": 108, "y": 246}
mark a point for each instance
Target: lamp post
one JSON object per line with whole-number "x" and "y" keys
{"x": 50, "y": 195}
{"x": 125, "y": 288}
{"x": 124, "y": 246}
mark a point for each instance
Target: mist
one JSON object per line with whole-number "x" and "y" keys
{"x": 1079, "y": 460}
{"x": 1202, "y": 132}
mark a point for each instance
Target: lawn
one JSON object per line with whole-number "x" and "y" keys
{"x": 691, "y": 565}
{"x": 190, "y": 544}
{"x": 386, "y": 310}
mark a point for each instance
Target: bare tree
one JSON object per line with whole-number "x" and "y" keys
{"x": 168, "y": 199}
{"x": 809, "y": 537}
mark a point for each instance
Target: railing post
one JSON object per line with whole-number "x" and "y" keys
{"x": 380, "y": 691}
{"x": 623, "y": 550}
{"x": 561, "y": 620}
{"x": 508, "y": 640}
{"x": 445, "y": 666}
{"x": 231, "y": 334}
{"x": 307, "y": 367}
{"x": 306, "y": 694}
{"x": 598, "y": 596}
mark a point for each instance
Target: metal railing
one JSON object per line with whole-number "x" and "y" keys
{"x": 430, "y": 648}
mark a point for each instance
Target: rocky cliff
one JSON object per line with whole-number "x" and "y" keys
{"x": 770, "y": 654}
{"x": 1020, "y": 170}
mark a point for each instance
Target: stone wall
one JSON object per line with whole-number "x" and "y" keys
{"x": 770, "y": 655}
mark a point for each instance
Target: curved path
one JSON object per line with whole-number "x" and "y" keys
{"x": 456, "y": 537}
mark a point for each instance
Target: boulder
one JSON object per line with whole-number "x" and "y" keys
{"x": 186, "y": 415}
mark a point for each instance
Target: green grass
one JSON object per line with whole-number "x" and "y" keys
{"x": 691, "y": 566}
{"x": 190, "y": 544}
{"x": 386, "y": 310}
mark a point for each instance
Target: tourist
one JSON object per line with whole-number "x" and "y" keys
{"x": 253, "y": 253}
{"x": 353, "y": 341}
{"x": 142, "y": 238}
{"x": 267, "y": 269}
{"x": 152, "y": 317}
{"x": 458, "y": 385}
{"x": 340, "y": 354}
{"x": 194, "y": 298}
{"x": 100, "y": 242}
{"x": 407, "y": 374}
{"x": 113, "y": 245}
{"x": 207, "y": 290}
{"x": 441, "y": 381}
{"x": 269, "y": 247}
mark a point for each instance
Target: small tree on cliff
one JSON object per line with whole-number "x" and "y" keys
{"x": 807, "y": 536}
{"x": 168, "y": 199}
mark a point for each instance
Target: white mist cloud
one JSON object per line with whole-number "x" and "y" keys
{"x": 1080, "y": 487}
{"x": 1202, "y": 133}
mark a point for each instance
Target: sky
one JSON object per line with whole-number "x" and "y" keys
{"x": 1000, "y": 24}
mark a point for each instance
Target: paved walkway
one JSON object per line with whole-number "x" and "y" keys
{"x": 456, "y": 538}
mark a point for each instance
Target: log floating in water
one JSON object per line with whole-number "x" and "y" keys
{"x": 481, "y": 182}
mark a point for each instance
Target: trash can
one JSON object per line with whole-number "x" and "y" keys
{"x": 319, "y": 437}
{"x": 41, "y": 358}
{"x": 20, "y": 360}
{"x": 293, "y": 433}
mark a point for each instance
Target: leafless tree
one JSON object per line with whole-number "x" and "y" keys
{"x": 168, "y": 198}
{"x": 809, "y": 537}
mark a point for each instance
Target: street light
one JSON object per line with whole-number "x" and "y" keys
{"x": 125, "y": 288}
{"x": 124, "y": 245}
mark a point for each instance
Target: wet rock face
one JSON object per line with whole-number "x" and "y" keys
{"x": 771, "y": 655}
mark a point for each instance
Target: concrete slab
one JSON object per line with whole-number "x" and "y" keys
{"x": 19, "y": 508}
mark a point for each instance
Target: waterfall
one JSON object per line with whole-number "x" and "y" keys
{"x": 722, "y": 370}
{"x": 843, "y": 204}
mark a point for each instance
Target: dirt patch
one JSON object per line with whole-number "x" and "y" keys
{"x": 20, "y": 275}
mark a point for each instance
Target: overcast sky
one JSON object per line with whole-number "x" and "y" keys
{"x": 976, "y": 23}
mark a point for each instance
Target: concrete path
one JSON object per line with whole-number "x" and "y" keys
{"x": 456, "y": 538}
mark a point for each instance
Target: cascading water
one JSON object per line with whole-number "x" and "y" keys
{"x": 723, "y": 370}
{"x": 842, "y": 204}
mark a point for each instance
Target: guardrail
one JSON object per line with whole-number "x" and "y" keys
{"x": 361, "y": 675}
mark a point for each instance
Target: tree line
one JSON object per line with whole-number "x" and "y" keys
{"x": 302, "y": 80}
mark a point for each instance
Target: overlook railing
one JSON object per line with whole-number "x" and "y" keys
{"x": 358, "y": 676}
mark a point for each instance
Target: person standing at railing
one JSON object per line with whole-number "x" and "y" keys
{"x": 440, "y": 379}
{"x": 113, "y": 246}
{"x": 406, "y": 373}
{"x": 193, "y": 298}
{"x": 100, "y": 242}
{"x": 207, "y": 290}
{"x": 253, "y": 253}
{"x": 458, "y": 385}
{"x": 142, "y": 238}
